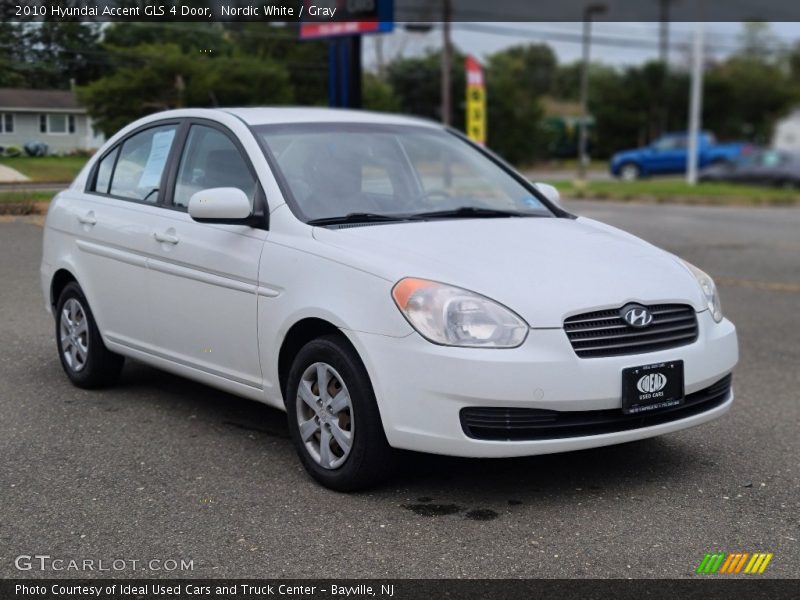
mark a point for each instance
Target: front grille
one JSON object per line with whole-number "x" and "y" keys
{"x": 525, "y": 424}
{"x": 604, "y": 333}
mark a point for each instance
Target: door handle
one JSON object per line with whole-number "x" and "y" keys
{"x": 88, "y": 218}
{"x": 166, "y": 237}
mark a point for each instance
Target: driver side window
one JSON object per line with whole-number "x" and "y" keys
{"x": 211, "y": 160}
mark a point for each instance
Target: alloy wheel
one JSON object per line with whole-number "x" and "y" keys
{"x": 325, "y": 415}
{"x": 74, "y": 333}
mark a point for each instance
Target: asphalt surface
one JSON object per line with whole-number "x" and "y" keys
{"x": 162, "y": 468}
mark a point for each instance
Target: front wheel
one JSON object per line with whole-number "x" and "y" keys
{"x": 84, "y": 357}
{"x": 629, "y": 172}
{"x": 333, "y": 417}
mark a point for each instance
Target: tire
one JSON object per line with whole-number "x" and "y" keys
{"x": 630, "y": 172}
{"x": 83, "y": 355}
{"x": 353, "y": 417}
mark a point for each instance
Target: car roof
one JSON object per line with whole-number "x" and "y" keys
{"x": 286, "y": 114}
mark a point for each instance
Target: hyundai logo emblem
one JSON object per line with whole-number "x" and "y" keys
{"x": 636, "y": 315}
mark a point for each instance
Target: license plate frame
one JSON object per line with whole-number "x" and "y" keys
{"x": 652, "y": 388}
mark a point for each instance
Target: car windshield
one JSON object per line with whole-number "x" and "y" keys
{"x": 365, "y": 172}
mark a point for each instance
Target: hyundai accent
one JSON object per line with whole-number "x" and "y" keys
{"x": 386, "y": 282}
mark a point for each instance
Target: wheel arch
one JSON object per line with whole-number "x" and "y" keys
{"x": 297, "y": 336}
{"x": 61, "y": 278}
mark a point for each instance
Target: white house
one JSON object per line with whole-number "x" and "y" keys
{"x": 50, "y": 116}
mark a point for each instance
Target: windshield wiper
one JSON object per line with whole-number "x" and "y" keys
{"x": 470, "y": 212}
{"x": 356, "y": 217}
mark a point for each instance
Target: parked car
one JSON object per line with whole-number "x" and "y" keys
{"x": 764, "y": 167}
{"x": 388, "y": 283}
{"x": 668, "y": 154}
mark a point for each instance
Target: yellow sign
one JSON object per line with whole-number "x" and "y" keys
{"x": 476, "y": 102}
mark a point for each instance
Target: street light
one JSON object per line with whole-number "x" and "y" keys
{"x": 589, "y": 12}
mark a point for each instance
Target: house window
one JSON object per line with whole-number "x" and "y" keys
{"x": 57, "y": 124}
{"x": 6, "y": 123}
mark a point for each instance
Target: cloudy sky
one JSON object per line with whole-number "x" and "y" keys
{"x": 613, "y": 43}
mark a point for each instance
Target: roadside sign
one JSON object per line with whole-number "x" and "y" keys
{"x": 336, "y": 18}
{"x": 476, "y": 101}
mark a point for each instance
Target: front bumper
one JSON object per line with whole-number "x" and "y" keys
{"x": 421, "y": 387}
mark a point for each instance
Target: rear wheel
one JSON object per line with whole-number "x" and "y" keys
{"x": 83, "y": 355}
{"x": 333, "y": 417}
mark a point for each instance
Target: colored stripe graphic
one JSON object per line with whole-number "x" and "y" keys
{"x": 721, "y": 562}
{"x": 742, "y": 560}
{"x": 758, "y": 563}
{"x": 711, "y": 562}
{"x": 729, "y": 562}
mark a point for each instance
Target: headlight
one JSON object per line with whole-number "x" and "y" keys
{"x": 451, "y": 316}
{"x": 709, "y": 291}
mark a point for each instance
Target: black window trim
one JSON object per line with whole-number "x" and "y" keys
{"x": 91, "y": 181}
{"x": 260, "y": 216}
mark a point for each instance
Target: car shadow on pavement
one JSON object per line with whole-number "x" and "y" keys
{"x": 620, "y": 470}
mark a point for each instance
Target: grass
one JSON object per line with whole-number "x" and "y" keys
{"x": 47, "y": 169}
{"x": 678, "y": 191}
{"x": 563, "y": 164}
{"x": 25, "y": 196}
{"x": 21, "y": 202}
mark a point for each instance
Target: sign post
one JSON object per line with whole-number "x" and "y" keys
{"x": 344, "y": 30}
{"x": 476, "y": 102}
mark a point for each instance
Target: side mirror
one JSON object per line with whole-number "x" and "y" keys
{"x": 549, "y": 192}
{"x": 226, "y": 206}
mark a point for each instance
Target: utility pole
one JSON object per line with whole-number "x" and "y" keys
{"x": 583, "y": 136}
{"x": 663, "y": 33}
{"x": 446, "y": 60}
{"x": 695, "y": 103}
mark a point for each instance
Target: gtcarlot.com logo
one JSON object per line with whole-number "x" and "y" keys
{"x": 734, "y": 562}
{"x": 45, "y": 562}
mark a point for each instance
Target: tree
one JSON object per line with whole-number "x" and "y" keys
{"x": 306, "y": 61}
{"x": 516, "y": 79}
{"x": 191, "y": 38}
{"x": 417, "y": 84}
{"x": 379, "y": 94}
{"x": 52, "y": 54}
{"x": 159, "y": 77}
{"x": 240, "y": 81}
{"x": 64, "y": 52}
{"x": 11, "y": 51}
{"x": 745, "y": 96}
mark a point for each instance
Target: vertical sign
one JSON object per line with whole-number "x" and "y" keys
{"x": 476, "y": 102}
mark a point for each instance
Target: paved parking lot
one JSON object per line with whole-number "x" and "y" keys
{"x": 162, "y": 468}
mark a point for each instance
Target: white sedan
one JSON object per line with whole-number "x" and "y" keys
{"x": 386, "y": 282}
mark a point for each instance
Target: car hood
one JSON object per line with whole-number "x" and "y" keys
{"x": 626, "y": 154}
{"x": 544, "y": 269}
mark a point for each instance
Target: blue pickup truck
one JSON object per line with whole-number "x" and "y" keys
{"x": 668, "y": 154}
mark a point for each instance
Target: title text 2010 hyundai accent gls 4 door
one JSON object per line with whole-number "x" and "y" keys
{"x": 386, "y": 282}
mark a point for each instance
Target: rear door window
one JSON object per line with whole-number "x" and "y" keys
{"x": 140, "y": 165}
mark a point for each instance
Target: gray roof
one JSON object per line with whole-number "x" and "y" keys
{"x": 25, "y": 99}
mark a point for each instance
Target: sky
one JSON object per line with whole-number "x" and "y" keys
{"x": 616, "y": 44}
